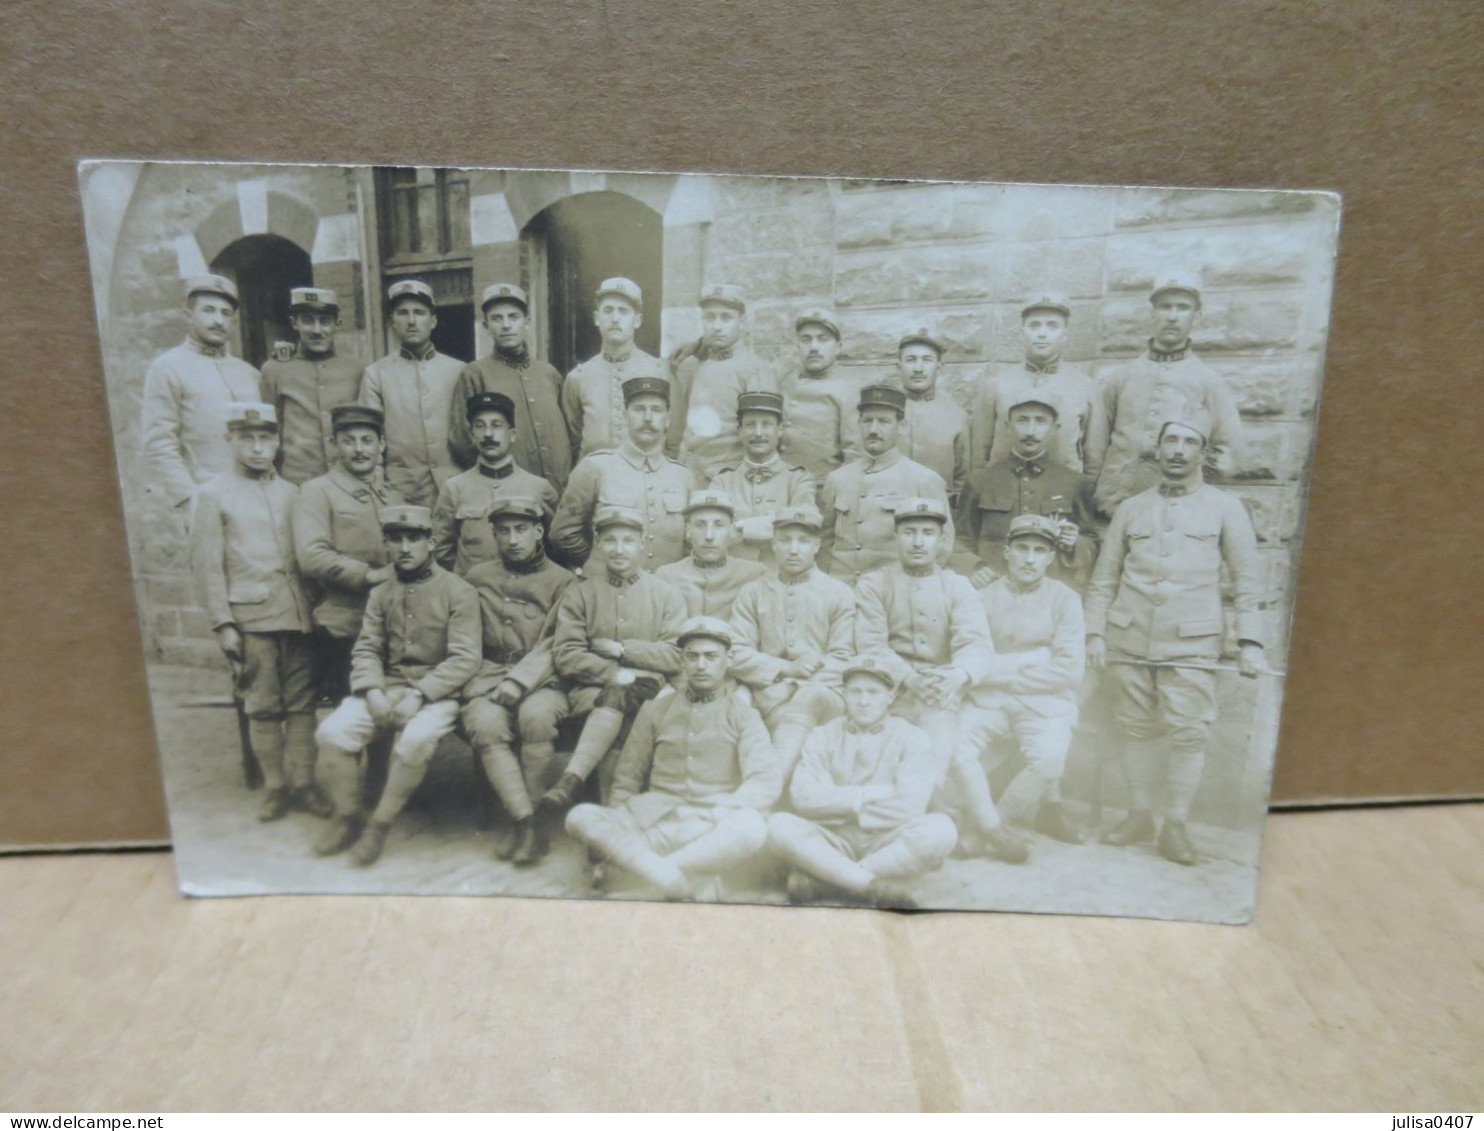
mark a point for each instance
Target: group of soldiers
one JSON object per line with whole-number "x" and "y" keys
{"x": 696, "y": 610}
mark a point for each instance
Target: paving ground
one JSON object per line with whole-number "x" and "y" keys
{"x": 434, "y": 848}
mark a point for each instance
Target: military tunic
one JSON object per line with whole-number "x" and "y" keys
{"x": 821, "y": 421}
{"x": 935, "y": 433}
{"x": 779, "y": 620}
{"x": 912, "y": 620}
{"x": 592, "y": 399}
{"x": 414, "y": 392}
{"x": 1002, "y": 491}
{"x": 1138, "y": 399}
{"x": 759, "y": 490}
{"x": 641, "y": 612}
{"x": 542, "y": 445}
{"x": 303, "y": 390}
{"x": 518, "y": 613}
{"x": 648, "y": 482}
{"x": 859, "y": 504}
{"x": 1064, "y": 386}
{"x": 338, "y": 541}
{"x": 422, "y": 633}
{"x": 709, "y": 591}
{"x": 186, "y": 393}
{"x": 703, "y": 415}
{"x": 462, "y": 534}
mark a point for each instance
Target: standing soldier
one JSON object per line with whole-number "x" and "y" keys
{"x": 636, "y": 475}
{"x": 936, "y": 430}
{"x": 794, "y": 632}
{"x": 709, "y": 578}
{"x": 305, "y": 387}
{"x": 518, "y": 593}
{"x": 762, "y": 484}
{"x": 249, "y": 583}
{"x": 1027, "y": 481}
{"x": 186, "y": 393}
{"x": 413, "y": 386}
{"x": 820, "y": 430}
{"x": 860, "y": 500}
{"x": 592, "y": 396}
{"x": 614, "y": 646}
{"x": 461, "y": 530}
{"x": 534, "y": 386}
{"x": 418, "y": 647}
{"x": 693, "y": 779}
{"x": 337, "y": 537}
{"x": 703, "y": 429}
{"x": 1154, "y": 620}
{"x": 861, "y": 793}
{"x": 1167, "y": 382}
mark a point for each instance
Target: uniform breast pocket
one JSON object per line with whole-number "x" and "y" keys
{"x": 474, "y": 527}
{"x": 674, "y": 502}
{"x": 1139, "y": 533}
{"x": 247, "y": 592}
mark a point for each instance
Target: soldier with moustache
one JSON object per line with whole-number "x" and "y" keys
{"x": 542, "y": 445}
{"x": 935, "y": 432}
{"x": 592, "y": 395}
{"x": 461, "y": 528}
{"x": 820, "y": 427}
{"x": 762, "y": 484}
{"x": 710, "y": 577}
{"x": 412, "y": 387}
{"x": 307, "y": 385}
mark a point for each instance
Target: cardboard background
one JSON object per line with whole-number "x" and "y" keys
{"x": 1379, "y": 102}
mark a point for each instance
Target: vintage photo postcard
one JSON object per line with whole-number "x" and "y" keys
{"x": 898, "y": 544}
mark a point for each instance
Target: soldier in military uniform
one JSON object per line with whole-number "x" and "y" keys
{"x": 461, "y": 529}
{"x": 860, "y": 499}
{"x": 1027, "y": 481}
{"x": 592, "y": 396}
{"x": 861, "y": 793}
{"x": 542, "y": 445}
{"x": 935, "y": 432}
{"x": 820, "y": 428}
{"x": 693, "y": 780}
{"x": 186, "y": 393}
{"x": 794, "y": 632}
{"x": 614, "y": 646}
{"x": 1030, "y": 690}
{"x": 1046, "y": 377}
{"x": 518, "y": 594}
{"x": 307, "y": 384}
{"x": 762, "y": 484}
{"x": 249, "y": 584}
{"x": 638, "y": 475}
{"x": 1155, "y": 622}
{"x": 337, "y": 538}
{"x": 703, "y": 428}
{"x": 413, "y": 387}
{"x": 1167, "y": 382}
{"x": 709, "y": 578}
{"x": 419, "y": 646}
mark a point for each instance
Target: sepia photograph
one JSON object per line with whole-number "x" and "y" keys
{"x": 753, "y": 539}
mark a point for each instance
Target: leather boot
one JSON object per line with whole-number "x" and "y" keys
{"x": 506, "y": 841}
{"x": 339, "y": 835}
{"x": 804, "y": 890}
{"x": 888, "y": 893}
{"x": 276, "y": 804}
{"x": 368, "y": 849}
{"x": 1136, "y": 828}
{"x": 1052, "y": 821}
{"x": 1006, "y": 843}
{"x": 559, "y": 798}
{"x": 308, "y": 799}
{"x": 1175, "y": 844}
{"x": 527, "y": 850}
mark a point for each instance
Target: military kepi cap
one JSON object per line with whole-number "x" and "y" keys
{"x": 1047, "y": 300}
{"x": 921, "y": 508}
{"x": 617, "y": 516}
{"x": 242, "y": 415}
{"x": 1187, "y": 281}
{"x": 490, "y": 402}
{"x": 1032, "y": 526}
{"x": 708, "y": 628}
{"x": 760, "y": 402}
{"x": 921, "y": 336}
{"x": 1038, "y": 402}
{"x": 411, "y": 288}
{"x": 869, "y": 665}
{"x": 357, "y": 415}
{"x": 517, "y": 506}
{"x": 504, "y": 292}
{"x": 710, "y": 500}
{"x": 1197, "y": 422}
{"x": 626, "y": 289}
{"x": 806, "y": 516}
{"x": 313, "y": 298}
{"x": 404, "y": 517}
{"x": 646, "y": 386}
{"x": 820, "y": 317}
{"x": 211, "y": 285}
{"x": 724, "y": 293}
{"x": 882, "y": 396}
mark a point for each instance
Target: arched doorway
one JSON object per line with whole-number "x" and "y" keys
{"x": 573, "y": 246}
{"x": 265, "y": 268}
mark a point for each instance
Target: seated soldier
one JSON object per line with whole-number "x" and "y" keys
{"x": 861, "y": 792}
{"x": 693, "y": 777}
{"x": 709, "y": 578}
{"x": 461, "y": 528}
{"x": 1030, "y": 690}
{"x": 762, "y": 484}
{"x": 794, "y": 631}
{"x": 613, "y": 646}
{"x": 513, "y": 693}
{"x": 419, "y": 646}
